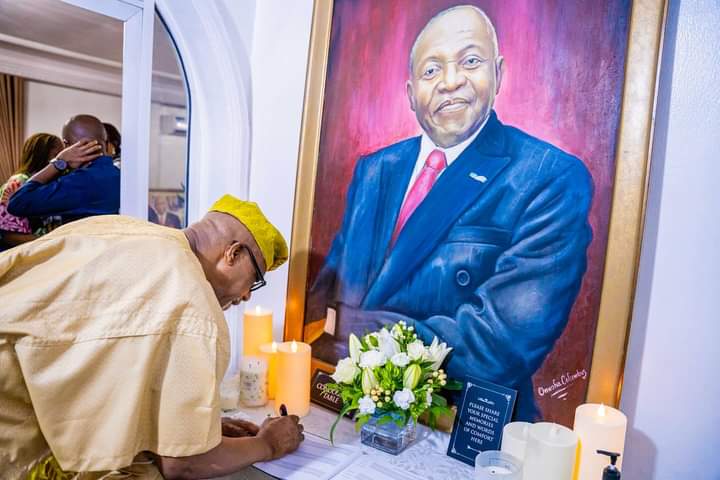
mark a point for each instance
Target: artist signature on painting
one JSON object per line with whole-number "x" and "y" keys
{"x": 559, "y": 387}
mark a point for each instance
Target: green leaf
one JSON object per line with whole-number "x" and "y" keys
{"x": 432, "y": 419}
{"x": 345, "y": 409}
{"x": 384, "y": 419}
{"x": 373, "y": 341}
{"x": 453, "y": 385}
{"x": 439, "y": 400}
{"x": 362, "y": 420}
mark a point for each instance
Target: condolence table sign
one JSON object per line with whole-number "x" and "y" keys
{"x": 484, "y": 410}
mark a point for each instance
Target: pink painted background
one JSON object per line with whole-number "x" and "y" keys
{"x": 564, "y": 74}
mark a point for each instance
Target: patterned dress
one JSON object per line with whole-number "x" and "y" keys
{"x": 11, "y": 223}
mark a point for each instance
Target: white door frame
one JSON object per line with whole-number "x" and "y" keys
{"x": 137, "y": 17}
{"x": 216, "y": 60}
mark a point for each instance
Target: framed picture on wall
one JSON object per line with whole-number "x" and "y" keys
{"x": 478, "y": 169}
{"x": 167, "y": 207}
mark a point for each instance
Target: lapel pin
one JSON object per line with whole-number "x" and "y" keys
{"x": 479, "y": 178}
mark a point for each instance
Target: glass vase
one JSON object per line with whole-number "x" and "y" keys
{"x": 388, "y": 436}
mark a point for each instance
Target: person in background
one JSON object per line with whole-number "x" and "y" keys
{"x": 90, "y": 187}
{"x": 113, "y": 143}
{"x": 36, "y": 153}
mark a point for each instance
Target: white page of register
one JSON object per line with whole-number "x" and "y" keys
{"x": 315, "y": 459}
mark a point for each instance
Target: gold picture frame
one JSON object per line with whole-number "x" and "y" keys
{"x": 646, "y": 27}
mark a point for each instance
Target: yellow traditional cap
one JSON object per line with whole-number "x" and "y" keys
{"x": 269, "y": 239}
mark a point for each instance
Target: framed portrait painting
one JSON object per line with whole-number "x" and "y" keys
{"x": 478, "y": 170}
{"x": 167, "y": 207}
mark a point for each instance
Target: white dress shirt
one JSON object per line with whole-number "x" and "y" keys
{"x": 451, "y": 154}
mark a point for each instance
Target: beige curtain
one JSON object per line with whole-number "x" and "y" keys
{"x": 12, "y": 123}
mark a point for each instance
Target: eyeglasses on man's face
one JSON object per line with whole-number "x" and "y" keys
{"x": 259, "y": 279}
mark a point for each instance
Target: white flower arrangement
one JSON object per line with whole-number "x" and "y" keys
{"x": 393, "y": 375}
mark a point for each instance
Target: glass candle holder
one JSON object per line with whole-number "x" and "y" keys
{"x": 389, "y": 436}
{"x": 253, "y": 381}
{"x": 497, "y": 465}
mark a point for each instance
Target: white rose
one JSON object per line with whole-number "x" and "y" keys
{"x": 404, "y": 398}
{"x": 372, "y": 359}
{"x": 346, "y": 371}
{"x": 436, "y": 353}
{"x": 400, "y": 359}
{"x": 367, "y": 406}
{"x": 416, "y": 350}
{"x": 387, "y": 343}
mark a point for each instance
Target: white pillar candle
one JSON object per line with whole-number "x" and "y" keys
{"x": 514, "y": 439}
{"x": 598, "y": 427}
{"x": 269, "y": 352}
{"x": 550, "y": 452}
{"x": 253, "y": 381}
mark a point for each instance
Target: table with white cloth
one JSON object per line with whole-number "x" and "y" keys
{"x": 424, "y": 459}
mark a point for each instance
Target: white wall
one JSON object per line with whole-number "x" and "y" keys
{"x": 278, "y": 63}
{"x": 672, "y": 381}
{"x": 48, "y": 107}
{"x": 168, "y": 153}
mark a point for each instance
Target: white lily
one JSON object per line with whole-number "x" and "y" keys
{"x": 369, "y": 382}
{"x": 355, "y": 346}
{"x": 436, "y": 353}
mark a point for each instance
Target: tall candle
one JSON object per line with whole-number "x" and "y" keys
{"x": 269, "y": 352}
{"x": 253, "y": 381}
{"x": 599, "y": 427}
{"x": 293, "y": 377}
{"x": 257, "y": 329}
{"x": 514, "y": 439}
{"x": 550, "y": 452}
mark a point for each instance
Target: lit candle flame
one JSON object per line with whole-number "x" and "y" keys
{"x": 258, "y": 310}
{"x": 293, "y": 346}
{"x": 601, "y": 410}
{"x": 274, "y": 347}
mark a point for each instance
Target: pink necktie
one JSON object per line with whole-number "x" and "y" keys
{"x": 434, "y": 165}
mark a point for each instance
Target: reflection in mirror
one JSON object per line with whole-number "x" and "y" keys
{"x": 168, "y": 134}
{"x": 58, "y": 61}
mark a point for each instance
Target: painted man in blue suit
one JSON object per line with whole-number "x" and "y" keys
{"x": 490, "y": 258}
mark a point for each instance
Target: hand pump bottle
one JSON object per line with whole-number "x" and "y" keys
{"x": 611, "y": 472}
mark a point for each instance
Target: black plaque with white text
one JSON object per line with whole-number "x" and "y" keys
{"x": 484, "y": 410}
